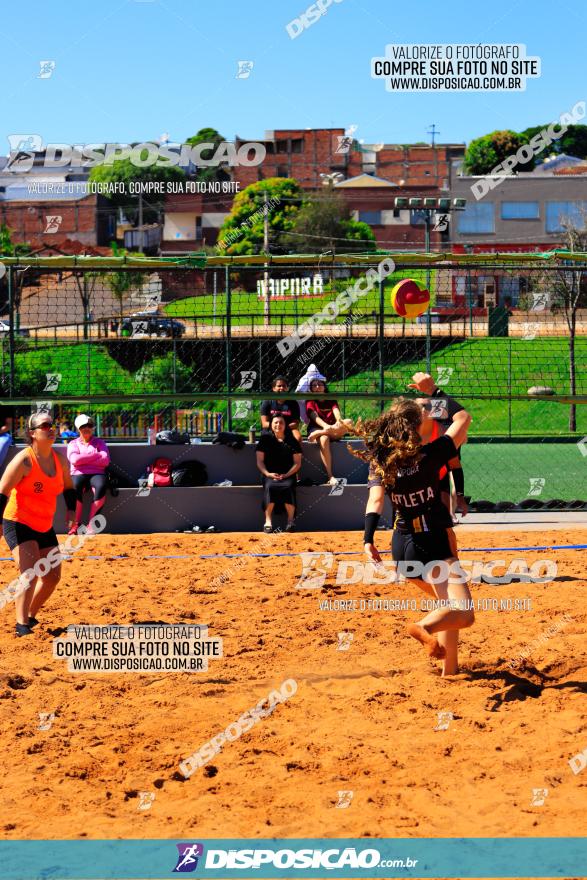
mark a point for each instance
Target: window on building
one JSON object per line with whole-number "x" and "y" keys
{"x": 520, "y": 211}
{"x": 297, "y": 145}
{"x": 559, "y": 213}
{"x": 282, "y": 171}
{"x": 476, "y": 219}
{"x": 373, "y": 218}
{"x": 396, "y": 213}
{"x": 282, "y": 146}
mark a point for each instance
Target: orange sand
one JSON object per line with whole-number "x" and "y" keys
{"x": 362, "y": 720}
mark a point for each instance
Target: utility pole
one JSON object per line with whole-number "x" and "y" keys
{"x": 141, "y": 233}
{"x": 141, "y": 239}
{"x": 267, "y": 307}
{"x": 432, "y": 131}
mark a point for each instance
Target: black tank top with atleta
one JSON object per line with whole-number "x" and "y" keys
{"x": 416, "y": 495}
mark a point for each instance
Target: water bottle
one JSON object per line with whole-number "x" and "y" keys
{"x": 151, "y": 436}
{"x": 252, "y": 434}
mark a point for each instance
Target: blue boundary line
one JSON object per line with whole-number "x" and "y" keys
{"x": 334, "y": 552}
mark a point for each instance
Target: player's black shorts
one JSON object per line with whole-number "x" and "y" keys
{"x": 17, "y": 533}
{"x": 424, "y": 547}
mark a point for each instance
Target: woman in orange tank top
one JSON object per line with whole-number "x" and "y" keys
{"x": 28, "y": 497}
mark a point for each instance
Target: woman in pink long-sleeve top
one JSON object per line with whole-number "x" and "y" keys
{"x": 88, "y": 457}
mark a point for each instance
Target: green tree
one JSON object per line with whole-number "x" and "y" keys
{"x": 8, "y": 248}
{"x": 572, "y": 143}
{"x": 484, "y": 153}
{"x": 324, "y": 223}
{"x": 164, "y": 374}
{"x": 208, "y": 136}
{"x": 123, "y": 171}
{"x": 243, "y": 230}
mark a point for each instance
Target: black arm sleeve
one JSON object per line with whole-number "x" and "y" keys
{"x": 459, "y": 478}
{"x": 3, "y": 503}
{"x": 452, "y": 405}
{"x": 371, "y": 523}
{"x": 70, "y": 498}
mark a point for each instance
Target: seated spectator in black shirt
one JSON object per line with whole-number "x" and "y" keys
{"x": 289, "y": 409}
{"x": 279, "y": 458}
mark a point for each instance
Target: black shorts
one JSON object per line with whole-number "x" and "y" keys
{"x": 17, "y": 533}
{"x": 424, "y": 547}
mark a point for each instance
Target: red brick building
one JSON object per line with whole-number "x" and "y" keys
{"x": 369, "y": 177}
{"x": 89, "y": 220}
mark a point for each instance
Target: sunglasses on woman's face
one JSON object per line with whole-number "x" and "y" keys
{"x": 44, "y": 426}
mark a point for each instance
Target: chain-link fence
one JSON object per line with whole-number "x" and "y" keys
{"x": 194, "y": 344}
{"x": 207, "y": 331}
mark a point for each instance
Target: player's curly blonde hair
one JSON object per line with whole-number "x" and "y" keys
{"x": 392, "y": 441}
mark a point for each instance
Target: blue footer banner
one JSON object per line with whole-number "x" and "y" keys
{"x": 340, "y": 857}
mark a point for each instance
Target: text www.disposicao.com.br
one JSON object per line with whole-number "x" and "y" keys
{"x": 135, "y": 664}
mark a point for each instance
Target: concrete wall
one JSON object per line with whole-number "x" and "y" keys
{"x": 234, "y": 508}
{"x": 521, "y": 188}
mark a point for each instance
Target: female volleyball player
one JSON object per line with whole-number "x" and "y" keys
{"x": 432, "y": 428}
{"x": 28, "y": 496}
{"x": 89, "y": 458}
{"x": 409, "y": 471}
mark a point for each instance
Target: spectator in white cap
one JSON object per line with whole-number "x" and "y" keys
{"x": 89, "y": 458}
{"x": 304, "y": 385}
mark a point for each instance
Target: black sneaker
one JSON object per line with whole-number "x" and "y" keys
{"x": 23, "y": 629}
{"x": 33, "y": 622}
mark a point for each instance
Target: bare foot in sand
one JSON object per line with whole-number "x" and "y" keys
{"x": 430, "y": 642}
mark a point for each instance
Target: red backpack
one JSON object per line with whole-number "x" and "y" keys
{"x": 160, "y": 472}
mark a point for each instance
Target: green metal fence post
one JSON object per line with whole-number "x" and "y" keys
{"x": 174, "y": 361}
{"x": 470, "y": 296}
{"x": 11, "y": 331}
{"x": 381, "y": 343}
{"x": 228, "y": 344}
{"x": 510, "y": 389}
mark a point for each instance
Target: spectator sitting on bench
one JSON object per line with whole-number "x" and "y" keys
{"x": 289, "y": 409}
{"x": 279, "y": 458}
{"x": 6, "y": 441}
{"x": 65, "y": 433}
{"x": 325, "y": 425}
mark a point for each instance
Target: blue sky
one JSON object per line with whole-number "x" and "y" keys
{"x": 131, "y": 70}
